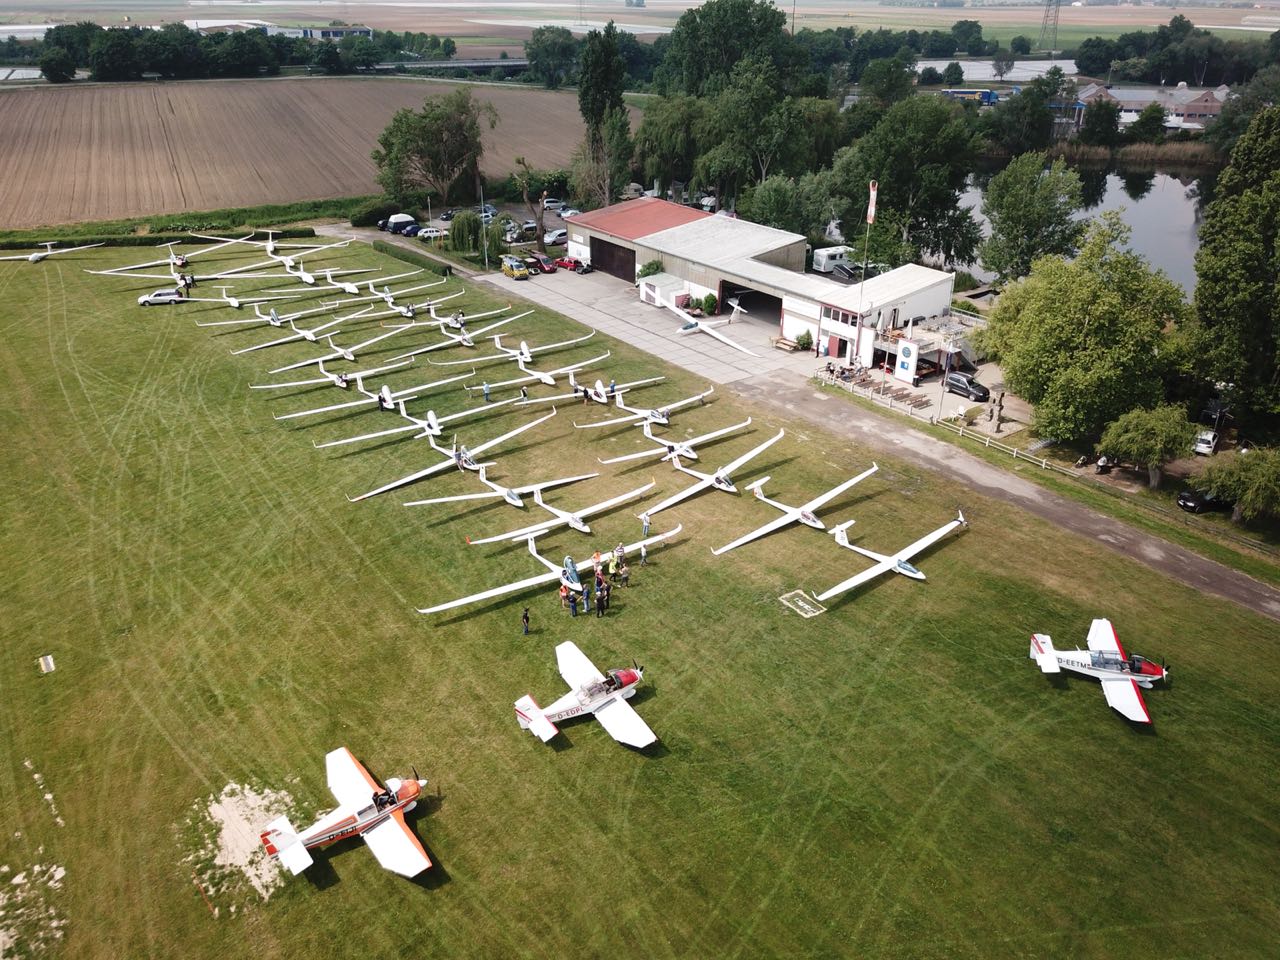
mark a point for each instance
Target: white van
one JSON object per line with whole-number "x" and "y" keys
{"x": 826, "y": 259}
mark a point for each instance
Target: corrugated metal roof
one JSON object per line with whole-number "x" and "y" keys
{"x": 633, "y": 219}
{"x": 720, "y": 240}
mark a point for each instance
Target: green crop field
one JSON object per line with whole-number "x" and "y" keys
{"x": 893, "y": 778}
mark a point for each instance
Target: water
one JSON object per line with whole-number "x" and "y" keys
{"x": 1162, "y": 210}
{"x": 981, "y": 71}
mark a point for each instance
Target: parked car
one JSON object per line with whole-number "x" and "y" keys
{"x": 1195, "y": 502}
{"x": 159, "y": 297}
{"x": 412, "y": 230}
{"x": 486, "y": 218}
{"x": 488, "y": 208}
{"x": 574, "y": 264}
{"x": 530, "y": 227}
{"x": 551, "y": 203}
{"x": 432, "y": 233}
{"x": 965, "y": 385}
{"x": 514, "y": 268}
{"x": 566, "y": 212}
{"x": 540, "y": 262}
{"x": 448, "y": 215}
{"x": 554, "y": 237}
{"x": 1206, "y": 443}
{"x": 512, "y": 234}
{"x": 399, "y": 226}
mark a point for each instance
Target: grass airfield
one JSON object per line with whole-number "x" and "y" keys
{"x": 893, "y": 778}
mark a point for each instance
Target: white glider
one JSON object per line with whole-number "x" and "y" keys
{"x": 463, "y": 338}
{"x": 670, "y": 447}
{"x": 720, "y": 480}
{"x": 512, "y": 495}
{"x": 384, "y": 397}
{"x": 430, "y": 426}
{"x": 590, "y": 692}
{"x": 548, "y": 377}
{"x": 48, "y": 251}
{"x": 897, "y": 563}
{"x": 341, "y": 380}
{"x": 561, "y": 518}
{"x": 598, "y": 393}
{"x": 803, "y": 514}
{"x": 310, "y": 334}
{"x": 521, "y": 355}
{"x": 461, "y": 458}
{"x": 566, "y": 574}
{"x": 699, "y": 325}
{"x": 344, "y": 353}
{"x": 658, "y": 415}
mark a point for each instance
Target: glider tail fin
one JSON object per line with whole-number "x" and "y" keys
{"x": 531, "y": 718}
{"x": 1043, "y": 654}
{"x": 282, "y": 843}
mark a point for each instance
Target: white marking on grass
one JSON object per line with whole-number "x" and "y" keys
{"x": 29, "y": 924}
{"x": 801, "y": 603}
{"x": 46, "y": 795}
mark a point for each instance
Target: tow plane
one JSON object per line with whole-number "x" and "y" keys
{"x": 720, "y": 480}
{"x": 49, "y": 251}
{"x": 670, "y": 448}
{"x": 460, "y": 458}
{"x": 1121, "y": 675}
{"x": 566, "y": 573}
{"x": 802, "y": 514}
{"x": 658, "y": 415}
{"x": 364, "y": 810}
{"x": 512, "y": 495}
{"x": 895, "y": 563}
{"x": 559, "y": 518}
{"x": 429, "y": 426}
{"x": 590, "y": 692}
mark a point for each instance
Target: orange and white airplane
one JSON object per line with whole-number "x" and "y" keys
{"x": 364, "y": 809}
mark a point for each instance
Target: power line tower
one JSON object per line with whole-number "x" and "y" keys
{"x": 1049, "y": 26}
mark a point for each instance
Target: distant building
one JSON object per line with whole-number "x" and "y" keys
{"x": 273, "y": 29}
{"x": 336, "y": 33}
{"x": 1185, "y": 107}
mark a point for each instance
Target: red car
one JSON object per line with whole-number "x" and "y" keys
{"x": 574, "y": 264}
{"x": 540, "y": 262}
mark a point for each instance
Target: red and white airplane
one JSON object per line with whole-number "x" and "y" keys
{"x": 593, "y": 692}
{"x": 364, "y": 810}
{"x": 1121, "y": 675}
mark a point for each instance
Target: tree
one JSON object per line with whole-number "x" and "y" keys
{"x": 1251, "y": 479}
{"x": 56, "y": 65}
{"x": 670, "y": 138}
{"x": 602, "y": 74}
{"x": 465, "y": 231}
{"x": 798, "y": 206}
{"x": 359, "y": 53}
{"x": 1081, "y": 339}
{"x": 886, "y": 82}
{"x": 708, "y": 41}
{"x": 1149, "y": 127}
{"x": 112, "y": 56}
{"x": 1023, "y": 122}
{"x": 930, "y": 77}
{"x": 1237, "y": 298}
{"x": 1031, "y": 210}
{"x": 1101, "y": 127}
{"x": 552, "y": 52}
{"x": 953, "y": 74}
{"x": 75, "y": 38}
{"x": 524, "y": 176}
{"x": 1002, "y": 63}
{"x": 1094, "y": 56}
{"x": 1238, "y": 112}
{"x": 328, "y": 57}
{"x": 1149, "y": 438}
{"x": 968, "y": 35}
{"x": 600, "y": 169}
{"x": 432, "y": 147}
{"x": 1020, "y": 46}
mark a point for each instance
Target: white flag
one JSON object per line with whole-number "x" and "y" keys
{"x": 871, "y": 207}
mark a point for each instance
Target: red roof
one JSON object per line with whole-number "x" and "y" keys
{"x": 633, "y": 219}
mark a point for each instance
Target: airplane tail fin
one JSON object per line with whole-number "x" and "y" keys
{"x": 758, "y": 486}
{"x": 1043, "y": 654}
{"x": 282, "y": 843}
{"x": 841, "y": 532}
{"x": 531, "y": 718}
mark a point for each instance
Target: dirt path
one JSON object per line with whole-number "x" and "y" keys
{"x": 892, "y": 436}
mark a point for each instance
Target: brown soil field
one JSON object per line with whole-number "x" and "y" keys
{"x": 111, "y": 151}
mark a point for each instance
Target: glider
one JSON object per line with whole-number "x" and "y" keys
{"x": 720, "y": 480}
{"x": 709, "y": 327}
{"x": 1106, "y": 660}
{"x": 511, "y": 495}
{"x": 311, "y": 335}
{"x": 897, "y": 563}
{"x": 566, "y": 574}
{"x": 461, "y": 339}
{"x": 172, "y": 261}
{"x": 521, "y": 355}
{"x": 599, "y": 393}
{"x": 384, "y": 397}
{"x": 590, "y": 691}
{"x": 432, "y": 426}
{"x": 659, "y": 415}
{"x": 364, "y": 810}
{"x": 460, "y": 457}
{"x": 341, "y": 380}
{"x": 48, "y": 251}
{"x": 345, "y": 353}
{"x": 669, "y": 447}
{"x": 547, "y": 378}
{"x": 559, "y": 517}
{"x": 804, "y": 513}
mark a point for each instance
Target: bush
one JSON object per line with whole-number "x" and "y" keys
{"x": 709, "y": 304}
{"x": 805, "y": 340}
{"x": 929, "y": 77}
{"x": 369, "y": 214}
{"x": 965, "y": 281}
{"x": 649, "y": 269}
{"x": 57, "y": 65}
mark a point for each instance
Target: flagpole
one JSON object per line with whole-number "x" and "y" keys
{"x": 866, "y": 241}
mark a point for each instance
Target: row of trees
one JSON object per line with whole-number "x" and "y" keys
{"x": 1176, "y": 53}
{"x": 177, "y": 52}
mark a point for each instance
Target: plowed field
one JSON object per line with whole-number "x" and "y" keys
{"x": 106, "y": 152}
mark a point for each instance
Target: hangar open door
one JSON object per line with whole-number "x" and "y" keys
{"x": 615, "y": 260}
{"x": 763, "y": 309}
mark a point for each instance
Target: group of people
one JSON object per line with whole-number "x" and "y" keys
{"x": 845, "y": 374}
{"x": 610, "y": 569}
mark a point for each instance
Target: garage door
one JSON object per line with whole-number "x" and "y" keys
{"x": 613, "y": 259}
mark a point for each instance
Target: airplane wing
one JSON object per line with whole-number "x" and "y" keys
{"x": 396, "y": 848}
{"x": 834, "y": 492}
{"x": 349, "y": 781}
{"x": 776, "y": 524}
{"x": 928, "y": 540}
{"x": 446, "y": 464}
{"x": 662, "y": 450}
{"x": 576, "y": 669}
{"x": 857, "y": 580}
{"x": 712, "y": 332}
{"x": 561, "y": 517}
{"x": 488, "y": 444}
{"x": 551, "y": 576}
{"x": 624, "y": 724}
{"x": 1123, "y": 696}
{"x": 1103, "y": 638}
{"x": 706, "y": 480}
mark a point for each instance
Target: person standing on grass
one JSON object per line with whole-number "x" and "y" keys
{"x": 586, "y": 596}
{"x": 573, "y": 604}
{"x": 620, "y": 553}
{"x": 644, "y": 555}
{"x": 608, "y": 590}
{"x": 613, "y": 386}
{"x": 613, "y": 568}
{"x": 599, "y": 604}
{"x": 625, "y": 574}
{"x": 564, "y": 596}
{"x": 644, "y": 527}
{"x": 524, "y": 621}
{"x": 485, "y": 387}
{"x": 524, "y": 392}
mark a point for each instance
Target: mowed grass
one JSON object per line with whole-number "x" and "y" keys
{"x": 893, "y": 778}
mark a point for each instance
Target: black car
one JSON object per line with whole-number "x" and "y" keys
{"x": 1193, "y": 501}
{"x": 965, "y": 385}
{"x": 448, "y": 215}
